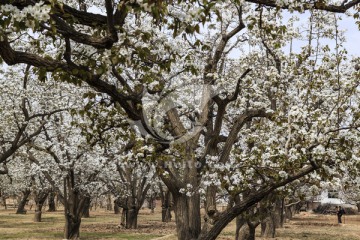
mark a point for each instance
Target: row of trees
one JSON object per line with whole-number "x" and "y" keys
{"x": 233, "y": 98}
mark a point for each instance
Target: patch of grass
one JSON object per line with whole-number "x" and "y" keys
{"x": 121, "y": 236}
{"x": 104, "y": 225}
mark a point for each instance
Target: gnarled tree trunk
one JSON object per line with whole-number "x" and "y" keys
{"x": 74, "y": 204}
{"x": 131, "y": 218}
{"x": 23, "y": 201}
{"x": 40, "y": 198}
{"x": 268, "y": 227}
{"x": 72, "y": 226}
{"x": 86, "y": 208}
{"x": 51, "y": 201}
{"x": 187, "y": 216}
{"x": 240, "y": 222}
{"x": 116, "y": 207}
{"x": 166, "y": 204}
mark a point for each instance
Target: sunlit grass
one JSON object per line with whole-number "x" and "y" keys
{"x": 104, "y": 225}
{"x": 101, "y": 225}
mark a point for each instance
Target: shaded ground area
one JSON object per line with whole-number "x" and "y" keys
{"x": 320, "y": 227}
{"x": 105, "y": 225}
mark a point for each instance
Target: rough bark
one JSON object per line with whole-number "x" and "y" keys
{"x": 51, "y": 201}
{"x": 211, "y": 213}
{"x": 109, "y": 205}
{"x": 3, "y": 199}
{"x": 166, "y": 205}
{"x": 40, "y": 199}
{"x": 268, "y": 227}
{"x": 86, "y": 208}
{"x": 187, "y": 216}
{"x": 227, "y": 216}
{"x": 23, "y": 202}
{"x": 123, "y": 217}
{"x": 116, "y": 208}
{"x": 72, "y": 226}
{"x": 131, "y": 218}
{"x": 152, "y": 203}
{"x": 240, "y": 222}
{"x": 74, "y": 204}
{"x": 247, "y": 232}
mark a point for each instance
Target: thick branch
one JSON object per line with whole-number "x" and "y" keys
{"x": 70, "y": 32}
{"x": 227, "y": 216}
{"x": 311, "y": 5}
{"x": 238, "y": 124}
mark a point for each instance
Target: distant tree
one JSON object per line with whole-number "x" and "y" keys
{"x": 275, "y": 115}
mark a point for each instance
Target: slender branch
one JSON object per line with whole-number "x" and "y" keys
{"x": 237, "y": 88}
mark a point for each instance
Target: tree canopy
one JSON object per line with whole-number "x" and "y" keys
{"x": 213, "y": 90}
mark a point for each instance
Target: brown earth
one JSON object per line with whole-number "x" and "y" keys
{"x": 105, "y": 225}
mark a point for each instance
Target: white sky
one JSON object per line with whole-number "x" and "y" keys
{"x": 352, "y": 32}
{"x": 352, "y": 35}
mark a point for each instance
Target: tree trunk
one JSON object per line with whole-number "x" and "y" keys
{"x": 247, "y": 232}
{"x": 166, "y": 207}
{"x": 74, "y": 204}
{"x": 240, "y": 222}
{"x": 40, "y": 199}
{"x": 72, "y": 226}
{"x": 37, "y": 217}
{"x": 131, "y": 218}
{"x": 109, "y": 206}
{"x": 282, "y": 211}
{"x": 187, "y": 216}
{"x": 51, "y": 201}
{"x": 211, "y": 213}
{"x": 357, "y": 204}
{"x": 268, "y": 227}
{"x": 116, "y": 207}
{"x": 289, "y": 212}
{"x": 123, "y": 217}
{"x": 86, "y": 209}
{"x": 252, "y": 228}
{"x": 23, "y": 201}
{"x": 3, "y": 200}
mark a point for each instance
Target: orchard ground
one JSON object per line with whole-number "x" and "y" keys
{"x": 105, "y": 225}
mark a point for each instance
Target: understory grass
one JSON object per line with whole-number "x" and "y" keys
{"x": 105, "y": 225}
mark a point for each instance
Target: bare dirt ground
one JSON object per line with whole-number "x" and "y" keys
{"x": 105, "y": 225}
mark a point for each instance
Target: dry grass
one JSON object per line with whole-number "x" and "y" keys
{"x": 104, "y": 225}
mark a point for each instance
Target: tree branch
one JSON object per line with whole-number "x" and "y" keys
{"x": 319, "y": 5}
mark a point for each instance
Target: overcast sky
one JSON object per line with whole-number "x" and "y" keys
{"x": 352, "y": 35}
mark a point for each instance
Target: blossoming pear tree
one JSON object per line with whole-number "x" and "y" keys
{"x": 211, "y": 85}
{"x": 24, "y": 112}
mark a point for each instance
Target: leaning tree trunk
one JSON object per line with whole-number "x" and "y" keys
{"x": 40, "y": 199}
{"x": 23, "y": 201}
